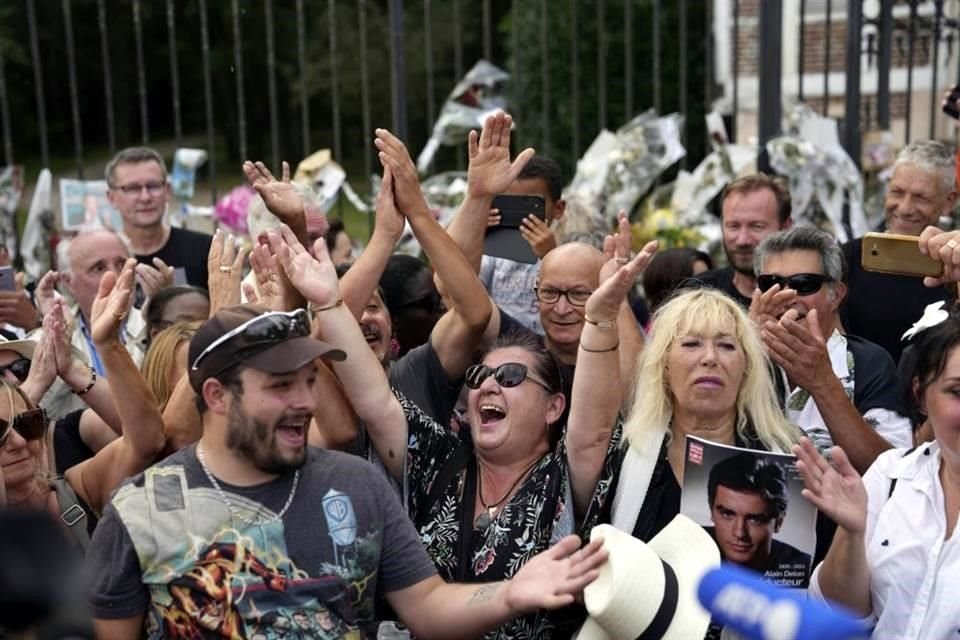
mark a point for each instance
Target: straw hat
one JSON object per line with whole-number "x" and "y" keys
{"x": 649, "y": 590}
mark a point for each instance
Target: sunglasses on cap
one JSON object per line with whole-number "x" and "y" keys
{"x": 30, "y": 424}
{"x": 509, "y": 374}
{"x": 20, "y": 368}
{"x": 804, "y": 284}
{"x": 275, "y": 326}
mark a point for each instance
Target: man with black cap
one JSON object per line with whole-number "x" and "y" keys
{"x": 251, "y": 524}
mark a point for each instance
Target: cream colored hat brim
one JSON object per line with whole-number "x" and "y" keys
{"x": 615, "y": 600}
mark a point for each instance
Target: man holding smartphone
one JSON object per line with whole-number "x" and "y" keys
{"x": 921, "y": 190}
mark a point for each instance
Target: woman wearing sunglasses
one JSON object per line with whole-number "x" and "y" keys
{"x": 522, "y": 478}
{"x": 77, "y": 497}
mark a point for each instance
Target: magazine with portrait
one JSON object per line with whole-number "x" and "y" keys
{"x": 750, "y": 502}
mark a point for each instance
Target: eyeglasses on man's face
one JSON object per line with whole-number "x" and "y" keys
{"x": 551, "y": 295}
{"x": 133, "y": 190}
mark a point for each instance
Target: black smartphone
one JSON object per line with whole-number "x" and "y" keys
{"x": 504, "y": 240}
{"x": 950, "y": 106}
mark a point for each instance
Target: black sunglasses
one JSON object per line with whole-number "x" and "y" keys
{"x": 30, "y": 424}
{"x": 804, "y": 284}
{"x": 20, "y": 368}
{"x": 509, "y": 374}
{"x": 275, "y": 326}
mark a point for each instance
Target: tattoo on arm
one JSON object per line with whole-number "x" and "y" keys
{"x": 484, "y": 594}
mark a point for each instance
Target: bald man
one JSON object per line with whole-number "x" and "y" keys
{"x": 568, "y": 275}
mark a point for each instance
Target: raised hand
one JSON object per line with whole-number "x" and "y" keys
{"x": 112, "y": 303}
{"x": 406, "y": 183}
{"x": 770, "y": 305}
{"x": 268, "y": 273}
{"x": 224, "y": 271}
{"x": 490, "y": 171}
{"x": 603, "y": 304}
{"x": 388, "y": 220}
{"x": 616, "y": 247}
{"x": 555, "y": 577}
{"x": 835, "y": 490}
{"x": 314, "y": 276}
{"x": 153, "y": 279}
{"x": 280, "y": 196}
{"x": 538, "y": 235}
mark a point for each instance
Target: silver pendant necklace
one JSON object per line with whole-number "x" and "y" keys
{"x": 485, "y": 518}
{"x": 233, "y": 511}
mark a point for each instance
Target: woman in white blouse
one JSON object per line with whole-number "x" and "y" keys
{"x": 896, "y": 556}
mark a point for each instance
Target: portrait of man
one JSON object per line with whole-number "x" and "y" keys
{"x": 748, "y": 499}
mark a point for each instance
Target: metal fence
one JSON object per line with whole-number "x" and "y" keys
{"x": 845, "y": 71}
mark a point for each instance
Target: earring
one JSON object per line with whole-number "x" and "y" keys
{"x": 394, "y": 347}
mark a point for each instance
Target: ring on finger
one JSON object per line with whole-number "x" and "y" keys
{"x": 952, "y": 244}
{"x": 225, "y": 269}
{"x": 623, "y": 260}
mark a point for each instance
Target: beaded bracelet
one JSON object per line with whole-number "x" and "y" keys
{"x": 93, "y": 381}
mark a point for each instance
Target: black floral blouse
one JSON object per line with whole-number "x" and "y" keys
{"x": 540, "y": 512}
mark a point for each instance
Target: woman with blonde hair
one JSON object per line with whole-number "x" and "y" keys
{"x": 166, "y": 359}
{"x": 77, "y": 498}
{"x": 702, "y": 373}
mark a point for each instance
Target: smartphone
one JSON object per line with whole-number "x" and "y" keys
{"x": 504, "y": 240}
{"x": 514, "y": 209}
{"x": 7, "y": 279}
{"x": 899, "y": 255}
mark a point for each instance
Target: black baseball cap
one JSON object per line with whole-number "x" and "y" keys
{"x": 271, "y": 341}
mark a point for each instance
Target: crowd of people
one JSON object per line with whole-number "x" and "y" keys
{"x": 279, "y": 439}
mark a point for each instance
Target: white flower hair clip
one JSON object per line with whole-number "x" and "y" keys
{"x": 933, "y": 315}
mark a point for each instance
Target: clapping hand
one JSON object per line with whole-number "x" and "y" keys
{"x": 800, "y": 349}
{"x": 112, "y": 303}
{"x": 388, "y": 220}
{"x": 770, "y": 305}
{"x": 406, "y": 184}
{"x": 490, "y": 171}
{"x": 836, "y": 490}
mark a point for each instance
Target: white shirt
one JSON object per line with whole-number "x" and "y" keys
{"x": 914, "y": 572}
{"x": 889, "y": 425}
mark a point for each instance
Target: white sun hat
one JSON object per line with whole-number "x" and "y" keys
{"x": 649, "y": 591}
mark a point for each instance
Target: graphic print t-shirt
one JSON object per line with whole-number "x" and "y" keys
{"x": 169, "y": 546}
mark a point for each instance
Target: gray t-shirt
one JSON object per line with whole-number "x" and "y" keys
{"x": 169, "y": 546}
{"x": 420, "y": 376}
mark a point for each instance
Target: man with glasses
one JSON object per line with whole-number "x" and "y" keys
{"x": 227, "y": 535}
{"x": 138, "y": 189}
{"x": 842, "y": 389}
